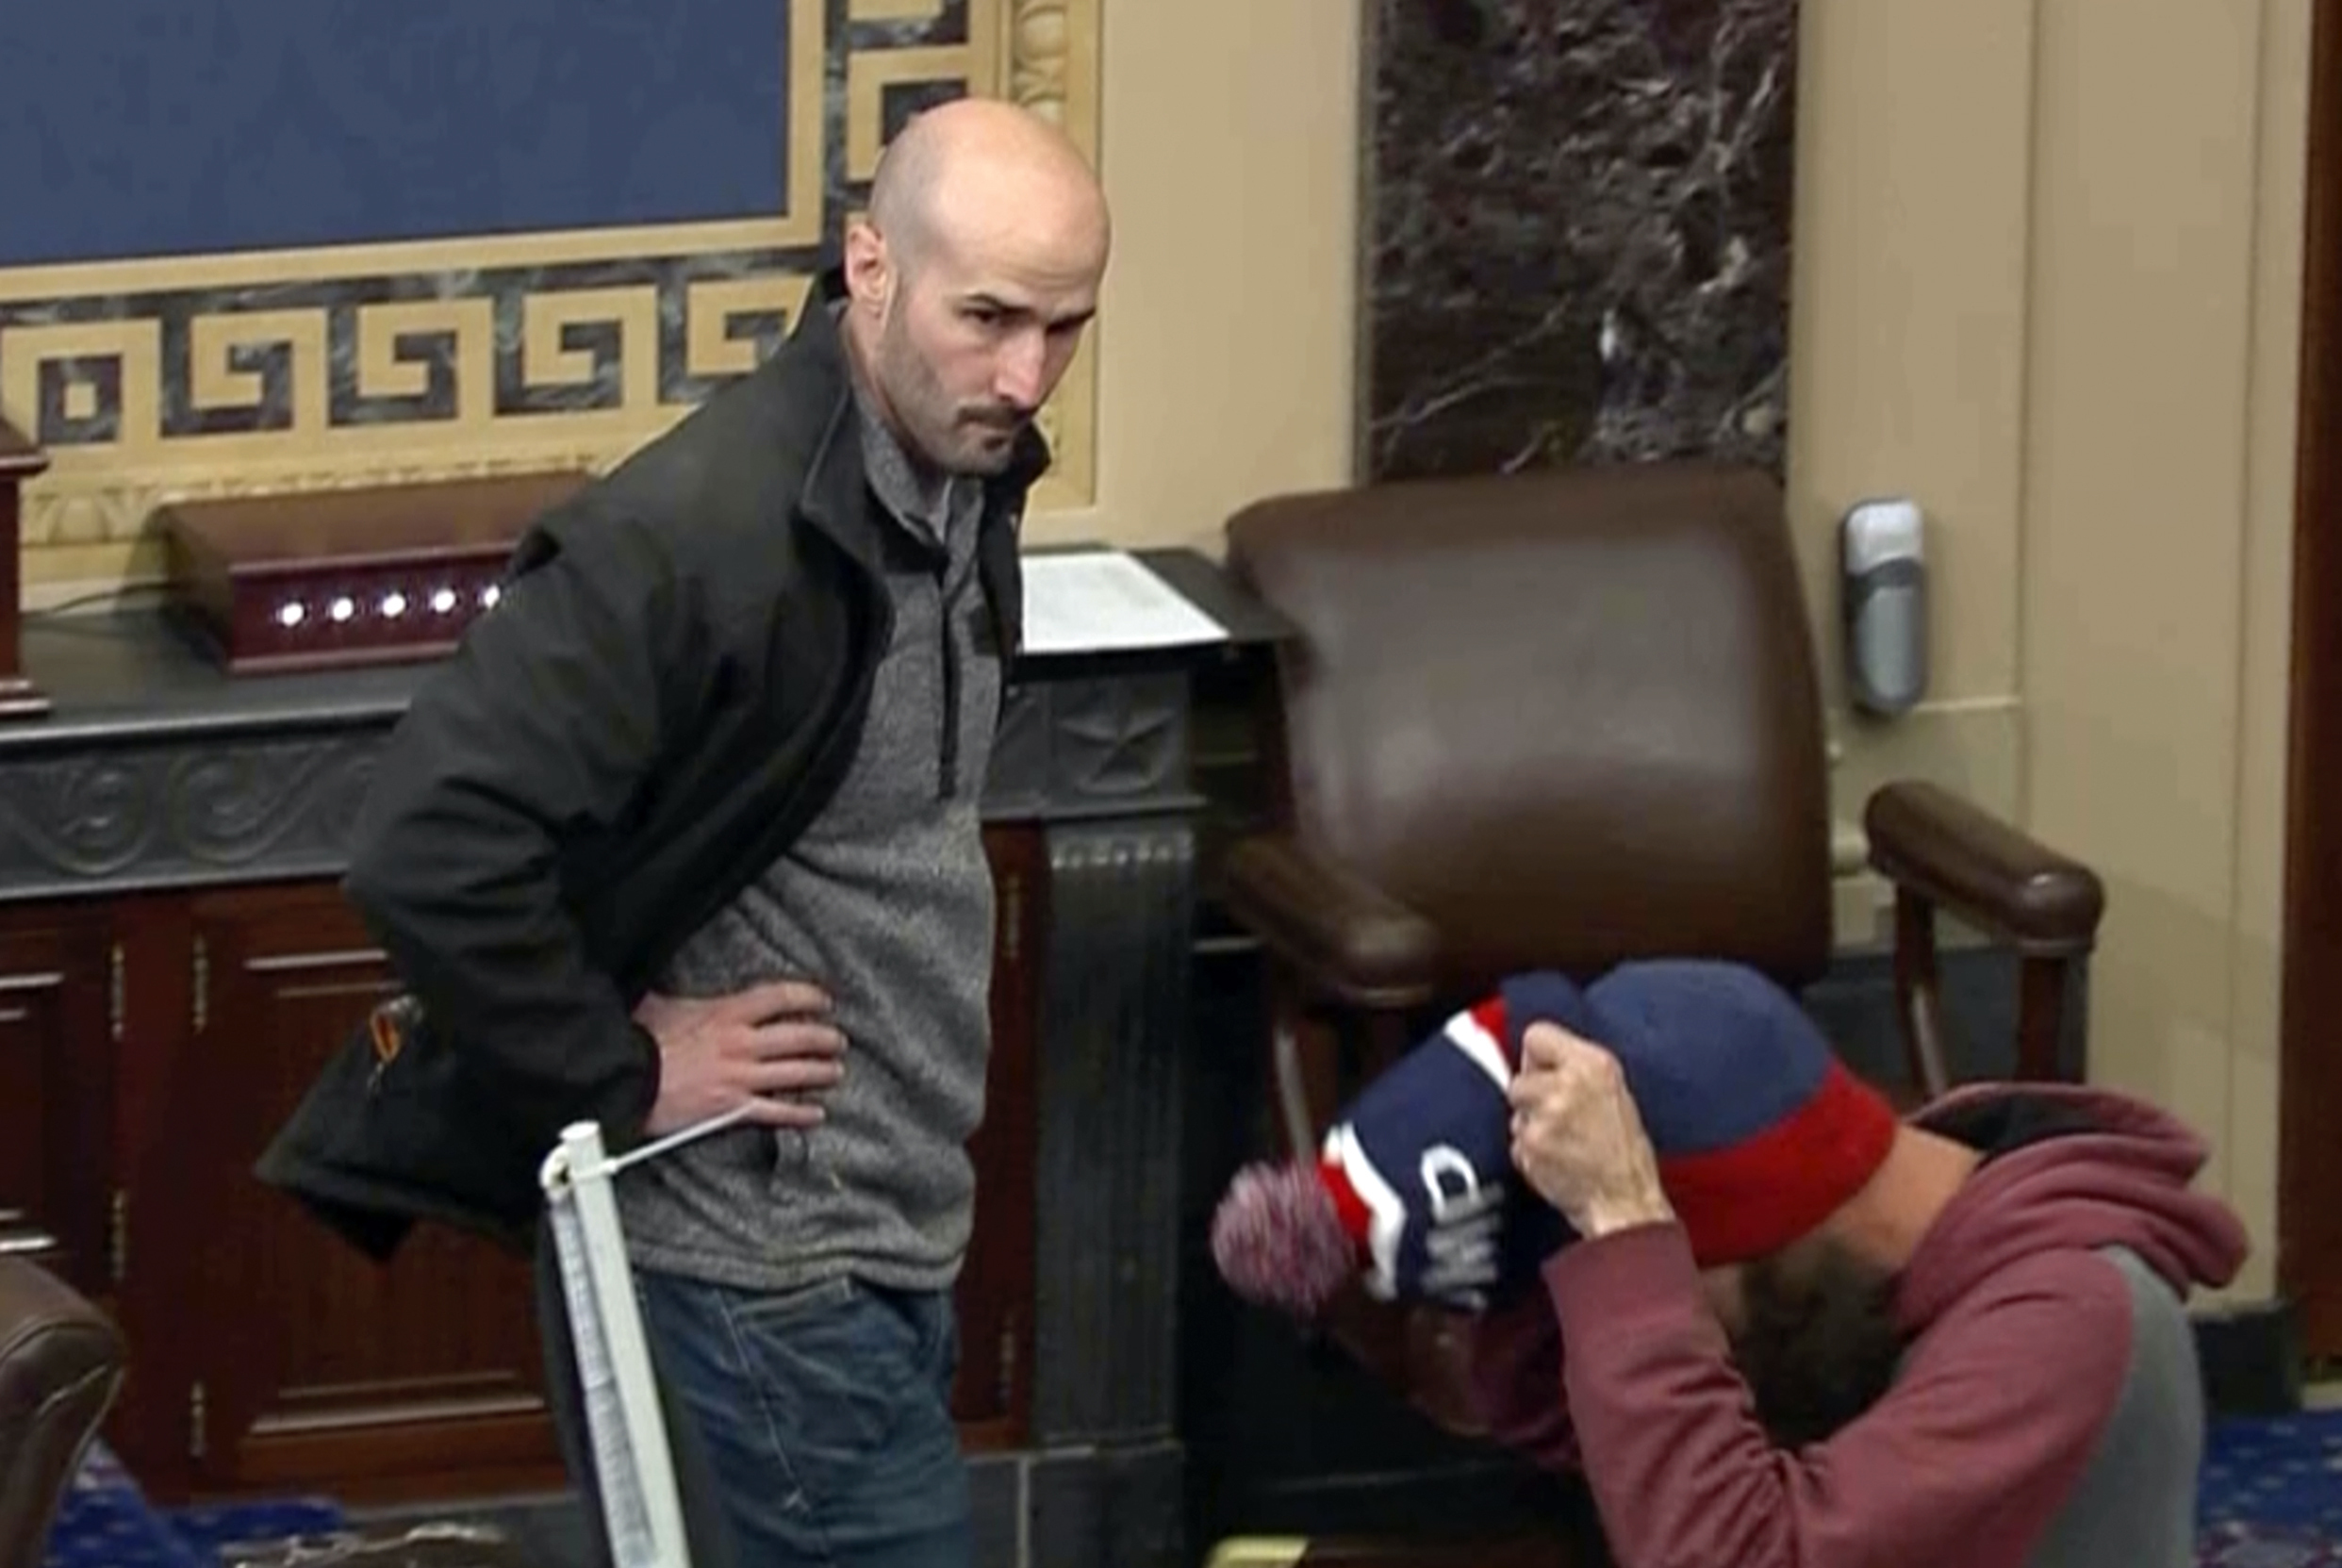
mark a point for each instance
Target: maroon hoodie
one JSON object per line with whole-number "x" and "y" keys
{"x": 2045, "y": 1410}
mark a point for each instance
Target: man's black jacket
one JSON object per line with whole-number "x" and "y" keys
{"x": 669, "y": 688}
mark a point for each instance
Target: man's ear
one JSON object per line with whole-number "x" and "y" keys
{"x": 869, "y": 270}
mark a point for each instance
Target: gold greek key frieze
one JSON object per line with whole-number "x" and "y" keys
{"x": 712, "y": 349}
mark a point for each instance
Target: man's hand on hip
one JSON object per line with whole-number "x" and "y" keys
{"x": 1578, "y": 1138}
{"x": 766, "y": 1048}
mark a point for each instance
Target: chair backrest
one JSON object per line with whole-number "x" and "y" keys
{"x": 1570, "y": 717}
{"x": 61, "y": 1364}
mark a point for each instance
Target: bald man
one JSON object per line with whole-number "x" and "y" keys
{"x": 686, "y": 836}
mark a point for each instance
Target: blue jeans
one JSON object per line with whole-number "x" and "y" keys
{"x": 810, "y": 1428}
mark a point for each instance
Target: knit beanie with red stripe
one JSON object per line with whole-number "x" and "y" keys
{"x": 1761, "y": 1133}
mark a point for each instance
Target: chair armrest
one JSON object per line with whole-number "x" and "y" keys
{"x": 2004, "y": 883}
{"x": 1346, "y": 938}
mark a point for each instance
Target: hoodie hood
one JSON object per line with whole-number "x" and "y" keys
{"x": 2119, "y": 1175}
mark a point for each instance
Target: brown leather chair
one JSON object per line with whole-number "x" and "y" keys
{"x": 1562, "y": 719}
{"x": 61, "y": 1364}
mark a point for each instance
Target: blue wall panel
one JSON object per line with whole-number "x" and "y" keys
{"x": 165, "y": 127}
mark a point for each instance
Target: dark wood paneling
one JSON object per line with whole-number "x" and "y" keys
{"x": 2309, "y": 1255}
{"x": 55, "y": 1175}
{"x": 313, "y": 1364}
{"x": 993, "y": 1395}
{"x": 151, "y": 1044}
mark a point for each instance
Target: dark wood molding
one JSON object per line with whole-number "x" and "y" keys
{"x": 19, "y": 457}
{"x": 2309, "y": 1246}
{"x": 21, "y": 462}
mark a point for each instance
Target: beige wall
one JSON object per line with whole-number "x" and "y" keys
{"x": 1229, "y": 150}
{"x": 2047, "y": 283}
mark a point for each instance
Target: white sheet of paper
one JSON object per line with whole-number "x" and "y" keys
{"x": 1097, "y": 601}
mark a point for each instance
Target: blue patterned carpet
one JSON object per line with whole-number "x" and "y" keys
{"x": 2272, "y": 1492}
{"x": 106, "y": 1523}
{"x": 2272, "y": 1498}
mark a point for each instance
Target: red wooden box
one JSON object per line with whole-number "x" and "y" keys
{"x": 330, "y": 578}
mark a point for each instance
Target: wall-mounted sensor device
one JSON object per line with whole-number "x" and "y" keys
{"x": 1882, "y": 585}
